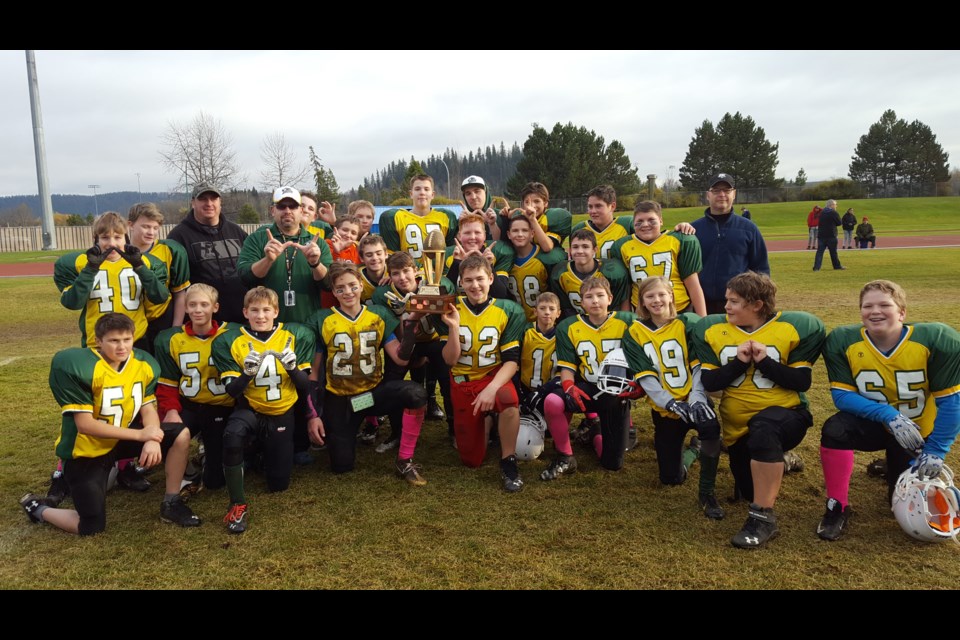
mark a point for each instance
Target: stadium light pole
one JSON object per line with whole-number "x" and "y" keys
{"x": 95, "y": 205}
{"x": 43, "y": 184}
{"x": 139, "y": 193}
{"x": 448, "y": 175}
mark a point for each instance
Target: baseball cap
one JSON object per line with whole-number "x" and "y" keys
{"x": 721, "y": 177}
{"x": 284, "y": 193}
{"x": 473, "y": 181}
{"x": 205, "y": 187}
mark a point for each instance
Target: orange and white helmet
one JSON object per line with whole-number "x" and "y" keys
{"x": 928, "y": 510}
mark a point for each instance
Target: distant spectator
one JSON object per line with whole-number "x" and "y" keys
{"x": 829, "y": 221}
{"x": 745, "y": 213}
{"x": 849, "y": 222}
{"x": 813, "y": 222}
{"x": 865, "y": 234}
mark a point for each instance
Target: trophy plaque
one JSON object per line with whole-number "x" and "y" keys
{"x": 430, "y": 297}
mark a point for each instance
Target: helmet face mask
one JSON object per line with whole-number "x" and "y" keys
{"x": 613, "y": 376}
{"x": 530, "y": 436}
{"x": 927, "y": 510}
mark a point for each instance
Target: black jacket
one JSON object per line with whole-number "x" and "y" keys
{"x": 213, "y": 253}
{"x": 849, "y": 221}
{"x": 829, "y": 221}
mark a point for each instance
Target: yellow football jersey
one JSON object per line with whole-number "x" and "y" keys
{"x": 116, "y": 288}
{"x": 83, "y": 382}
{"x": 672, "y": 255}
{"x": 404, "y": 230}
{"x": 271, "y": 391}
{"x": 925, "y": 365}
{"x": 174, "y": 257}
{"x": 485, "y": 335}
{"x": 664, "y": 353}
{"x": 581, "y": 346}
{"x": 530, "y": 276}
{"x": 792, "y": 338}
{"x": 538, "y": 357}
{"x": 353, "y": 347}
{"x": 186, "y": 362}
{"x": 369, "y": 286}
{"x": 618, "y": 228}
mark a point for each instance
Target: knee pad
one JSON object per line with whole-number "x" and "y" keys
{"x": 709, "y": 430}
{"x": 834, "y": 432}
{"x": 764, "y": 442}
{"x": 507, "y": 396}
{"x": 414, "y": 396}
{"x": 91, "y": 524}
{"x": 710, "y": 448}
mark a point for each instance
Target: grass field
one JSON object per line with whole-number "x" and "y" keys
{"x": 595, "y": 529}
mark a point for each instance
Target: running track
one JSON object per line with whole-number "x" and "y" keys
{"x": 45, "y": 269}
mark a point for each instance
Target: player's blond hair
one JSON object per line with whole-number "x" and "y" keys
{"x": 652, "y": 283}
{"x": 356, "y": 205}
{"x": 109, "y": 222}
{"x": 146, "y": 210}
{"x": 261, "y": 294}
{"x": 201, "y": 289}
{"x": 548, "y": 297}
{"x": 892, "y": 289}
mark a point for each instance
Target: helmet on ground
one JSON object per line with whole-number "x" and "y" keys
{"x": 928, "y": 510}
{"x": 530, "y": 436}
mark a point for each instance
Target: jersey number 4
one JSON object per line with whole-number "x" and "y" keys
{"x": 129, "y": 290}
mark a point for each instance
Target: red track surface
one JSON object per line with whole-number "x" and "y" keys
{"x": 45, "y": 269}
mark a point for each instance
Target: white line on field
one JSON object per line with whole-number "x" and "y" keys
{"x": 4, "y": 362}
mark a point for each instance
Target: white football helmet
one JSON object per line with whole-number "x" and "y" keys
{"x": 614, "y": 375}
{"x": 530, "y": 437}
{"x": 928, "y": 510}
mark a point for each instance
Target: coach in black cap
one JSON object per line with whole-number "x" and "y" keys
{"x": 731, "y": 244}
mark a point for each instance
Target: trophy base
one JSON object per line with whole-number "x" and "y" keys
{"x": 420, "y": 303}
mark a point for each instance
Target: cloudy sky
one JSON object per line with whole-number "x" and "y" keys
{"x": 104, "y": 112}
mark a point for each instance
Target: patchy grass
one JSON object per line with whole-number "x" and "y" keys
{"x": 367, "y": 529}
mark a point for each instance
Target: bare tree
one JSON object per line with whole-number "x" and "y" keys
{"x": 200, "y": 150}
{"x": 281, "y": 163}
{"x": 18, "y": 216}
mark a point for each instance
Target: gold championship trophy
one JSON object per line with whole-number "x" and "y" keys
{"x": 430, "y": 297}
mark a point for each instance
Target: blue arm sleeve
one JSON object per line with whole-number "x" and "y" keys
{"x": 853, "y": 402}
{"x": 945, "y": 426}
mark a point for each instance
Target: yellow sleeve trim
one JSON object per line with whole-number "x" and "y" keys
{"x": 943, "y": 393}
{"x": 181, "y": 287}
{"x": 230, "y": 374}
{"x": 708, "y": 366}
{"x": 510, "y": 345}
{"x": 566, "y": 365}
{"x": 77, "y": 408}
{"x": 800, "y": 365}
{"x": 845, "y": 387}
{"x": 167, "y": 382}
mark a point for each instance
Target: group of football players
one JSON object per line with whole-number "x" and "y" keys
{"x": 528, "y": 333}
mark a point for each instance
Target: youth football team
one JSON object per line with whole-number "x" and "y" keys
{"x": 534, "y": 329}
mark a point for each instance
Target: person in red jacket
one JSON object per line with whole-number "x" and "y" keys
{"x": 813, "y": 226}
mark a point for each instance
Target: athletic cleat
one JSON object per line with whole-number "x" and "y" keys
{"x": 410, "y": 472}
{"x": 434, "y": 412}
{"x": 176, "y": 511}
{"x": 510, "y": 474}
{"x": 194, "y": 470}
{"x": 387, "y": 445}
{"x": 792, "y": 462}
{"x": 834, "y": 521}
{"x": 59, "y": 489}
{"x": 585, "y": 431}
{"x": 561, "y": 465}
{"x": 711, "y": 508}
{"x": 760, "y": 528}
{"x": 30, "y": 503}
{"x": 369, "y": 433}
{"x": 877, "y": 468}
{"x": 130, "y": 478}
{"x": 236, "y": 518}
{"x": 189, "y": 489}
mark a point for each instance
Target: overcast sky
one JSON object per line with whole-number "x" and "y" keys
{"x": 104, "y": 112}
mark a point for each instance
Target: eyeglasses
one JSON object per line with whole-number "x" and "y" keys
{"x": 291, "y": 207}
{"x": 719, "y": 191}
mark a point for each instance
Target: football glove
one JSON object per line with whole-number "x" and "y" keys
{"x": 131, "y": 253}
{"x": 576, "y": 395}
{"x": 929, "y": 466}
{"x": 95, "y": 256}
{"x": 288, "y": 359}
{"x": 906, "y": 432}
{"x": 680, "y": 408}
{"x": 635, "y": 391}
{"x": 251, "y": 364}
{"x": 702, "y": 412}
